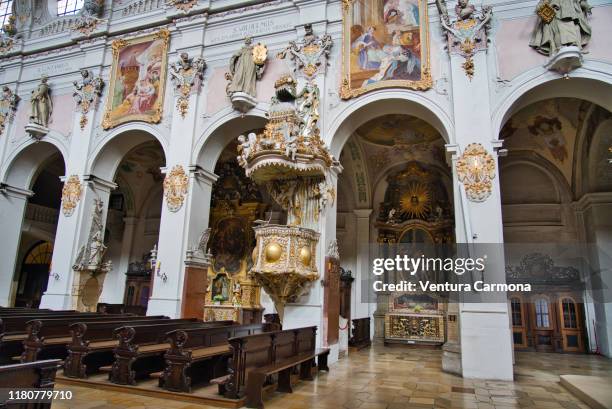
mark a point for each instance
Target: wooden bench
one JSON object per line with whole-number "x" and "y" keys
{"x": 200, "y": 354}
{"x": 360, "y": 333}
{"x": 121, "y": 309}
{"x": 262, "y": 355}
{"x": 47, "y": 338}
{"x": 141, "y": 349}
{"x": 39, "y": 374}
{"x": 93, "y": 343}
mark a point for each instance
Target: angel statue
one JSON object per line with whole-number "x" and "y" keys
{"x": 561, "y": 23}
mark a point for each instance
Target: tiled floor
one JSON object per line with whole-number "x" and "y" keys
{"x": 399, "y": 378}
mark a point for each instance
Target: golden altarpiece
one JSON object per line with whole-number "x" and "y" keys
{"x": 236, "y": 204}
{"x": 415, "y": 219}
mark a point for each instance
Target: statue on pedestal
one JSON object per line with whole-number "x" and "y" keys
{"x": 41, "y": 110}
{"x": 562, "y": 31}
{"x": 246, "y": 67}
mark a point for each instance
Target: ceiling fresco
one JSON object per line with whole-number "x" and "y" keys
{"x": 548, "y": 127}
{"x": 398, "y": 138}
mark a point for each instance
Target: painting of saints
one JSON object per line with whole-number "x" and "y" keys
{"x": 137, "y": 81}
{"x": 386, "y": 45}
{"x": 229, "y": 244}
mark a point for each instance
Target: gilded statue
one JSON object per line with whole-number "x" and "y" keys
{"x": 308, "y": 110}
{"x": 246, "y": 67}
{"x": 42, "y": 105}
{"x": 561, "y": 23}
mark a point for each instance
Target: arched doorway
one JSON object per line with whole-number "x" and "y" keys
{"x": 556, "y": 200}
{"x": 38, "y": 169}
{"x": 395, "y": 198}
{"x": 34, "y": 275}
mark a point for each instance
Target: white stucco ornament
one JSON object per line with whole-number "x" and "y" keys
{"x": 476, "y": 170}
{"x": 175, "y": 188}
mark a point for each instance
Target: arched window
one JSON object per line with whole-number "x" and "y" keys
{"x": 6, "y": 10}
{"x": 68, "y": 7}
{"x": 570, "y": 319}
{"x": 542, "y": 313}
{"x": 41, "y": 254}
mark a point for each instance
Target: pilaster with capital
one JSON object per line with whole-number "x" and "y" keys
{"x": 485, "y": 337}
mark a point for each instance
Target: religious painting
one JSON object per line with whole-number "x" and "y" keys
{"x": 385, "y": 44}
{"x": 137, "y": 81}
{"x": 229, "y": 244}
{"x": 220, "y": 288}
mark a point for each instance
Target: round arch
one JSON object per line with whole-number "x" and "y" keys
{"x": 23, "y": 166}
{"x": 226, "y": 127}
{"x": 538, "y": 88}
{"x": 109, "y": 153}
{"x": 376, "y": 104}
{"x": 542, "y": 165}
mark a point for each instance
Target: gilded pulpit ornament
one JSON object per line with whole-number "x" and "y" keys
{"x": 175, "y": 188}
{"x": 187, "y": 75}
{"x": 476, "y": 170}
{"x": 71, "y": 194}
{"x": 183, "y": 5}
{"x": 290, "y": 159}
{"x": 89, "y": 18}
{"x": 8, "y": 106}
{"x": 41, "y": 109}
{"x": 468, "y": 32}
{"x": 246, "y": 67}
{"x": 308, "y": 57}
{"x": 86, "y": 93}
{"x": 561, "y": 32}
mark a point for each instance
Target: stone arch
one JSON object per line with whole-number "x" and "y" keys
{"x": 225, "y": 127}
{"x": 370, "y": 106}
{"x": 540, "y": 167}
{"x": 23, "y": 166}
{"x": 108, "y": 154}
{"x": 535, "y": 87}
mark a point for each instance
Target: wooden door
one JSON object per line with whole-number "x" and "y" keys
{"x": 542, "y": 318}
{"x": 571, "y": 326}
{"x": 519, "y": 322}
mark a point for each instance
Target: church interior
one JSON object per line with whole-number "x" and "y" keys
{"x": 194, "y": 195}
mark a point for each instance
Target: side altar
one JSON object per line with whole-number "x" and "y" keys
{"x": 232, "y": 294}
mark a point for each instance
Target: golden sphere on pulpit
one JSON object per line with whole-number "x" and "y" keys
{"x": 273, "y": 252}
{"x": 305, "y": 255}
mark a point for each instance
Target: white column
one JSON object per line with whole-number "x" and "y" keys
{"x": 114, "y": 283}
{"x": 486, "y": 343}
{"x": 363, "y": 306}
{"x": 13, "y": 202}
{"x": 174, "y": 230}
{"x": 72, "y": 233}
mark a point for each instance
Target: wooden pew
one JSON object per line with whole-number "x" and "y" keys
{"x": 39, "y": 374}
{"x": 141, "y": 349}
{"x": 121, "y": 309}
{"x": 93, "y": 344}
{"x": 360, "y": 333}
{"x": 47, "y": 338}
{"x": 200, "y": 354}
{"x": 256, "y": 357}
{"x": 14, "y": 331}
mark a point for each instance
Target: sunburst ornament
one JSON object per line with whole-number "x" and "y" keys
{"x": 416, "y": 201}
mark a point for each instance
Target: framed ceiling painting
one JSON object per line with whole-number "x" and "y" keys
{"x": 385, "y": 44}
{"x": 137, "y": 81}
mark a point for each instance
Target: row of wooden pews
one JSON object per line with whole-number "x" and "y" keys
{"x": 181, "y": 353}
